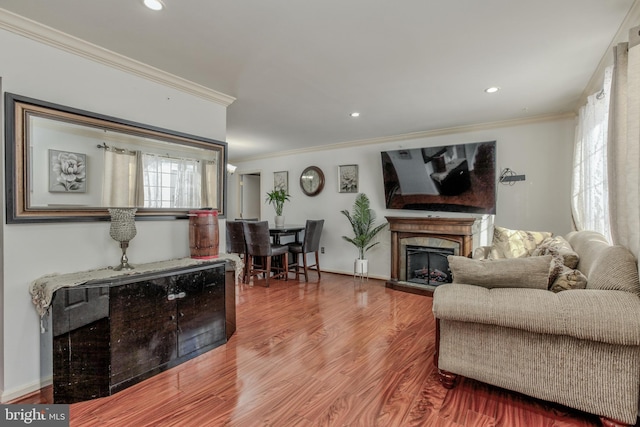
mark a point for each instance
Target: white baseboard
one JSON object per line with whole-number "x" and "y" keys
{"x": 8, "y": 395}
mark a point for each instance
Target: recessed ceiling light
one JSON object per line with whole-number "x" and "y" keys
{"x": 492, "y": 89}
{"x": 154, "y": 4}
{"x": 355, "y": 114}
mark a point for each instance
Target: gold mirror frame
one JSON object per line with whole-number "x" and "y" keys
{"x": 18, "y": 174}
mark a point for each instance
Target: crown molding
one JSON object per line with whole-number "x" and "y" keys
{"x": 413, "y": 135}
{"x": 622, "y": 35}
{"x": 41, "y": 33}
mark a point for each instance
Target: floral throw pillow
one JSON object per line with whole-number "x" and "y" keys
{"x": 558, "y": 244}
{"x": 557, "y": 264}
{"x": 569, "y": 279}
{"x": 515, "y": 243}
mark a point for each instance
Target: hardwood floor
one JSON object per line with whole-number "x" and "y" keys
{"x": 337, "y": 352}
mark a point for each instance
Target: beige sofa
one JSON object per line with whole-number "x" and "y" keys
{"x": 579, "y": 347}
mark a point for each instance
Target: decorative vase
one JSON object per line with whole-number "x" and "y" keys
{"x": 123, "y": 230}
{"x": 361, "y": 267}
{"x": 279, "y": 221}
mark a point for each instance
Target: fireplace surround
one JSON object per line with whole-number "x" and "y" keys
{"x": 433, "y": 234}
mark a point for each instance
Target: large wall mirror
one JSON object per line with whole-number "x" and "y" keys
{"x": 65, "y": 164}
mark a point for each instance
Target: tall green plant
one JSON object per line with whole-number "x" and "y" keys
{"x": 277, "y": 199}
{"x": 362, "y": 219}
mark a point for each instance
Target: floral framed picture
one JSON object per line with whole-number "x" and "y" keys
{"x": 281, "y": 181}
{"x": 348, "y": 179}
{"x": 67, "y": 172}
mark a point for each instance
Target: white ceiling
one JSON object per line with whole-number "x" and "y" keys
{"x": 299, "y": 67}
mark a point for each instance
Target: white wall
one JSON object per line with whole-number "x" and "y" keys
{"x": 31, "y": 250}
{"x": 542, "y": 151}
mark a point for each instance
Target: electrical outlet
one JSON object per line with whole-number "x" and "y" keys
{"x": 322, "y": 250}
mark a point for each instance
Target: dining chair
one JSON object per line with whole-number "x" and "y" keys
{"x": 258, "y": 239}
{"x": 237, "y": 245}
{"x": 310, "y": 243}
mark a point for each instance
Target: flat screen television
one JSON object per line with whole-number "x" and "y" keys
{"x": 448, "y": 178}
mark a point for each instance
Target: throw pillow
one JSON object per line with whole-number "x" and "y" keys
{"x": 530, "y": 272}
{"x": 561, "y": 246}
{"x": 515, "y": 243}
{"x": 557, "y": 263}
{"x": 569, "y": 279}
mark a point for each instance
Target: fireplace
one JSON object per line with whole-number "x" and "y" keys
{"x": 427, "y": 265}
{"x": 419, "y": 247}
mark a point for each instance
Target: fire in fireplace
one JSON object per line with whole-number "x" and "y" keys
{"x": 428, "y": 265}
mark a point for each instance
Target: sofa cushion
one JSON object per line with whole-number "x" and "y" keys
{"x": 568, "y": 278}
{"x": 530, "y": 272}
{"x": 585, "y": 314}
{"x": 515, "y": 243}
{"x": 558, "y": 244}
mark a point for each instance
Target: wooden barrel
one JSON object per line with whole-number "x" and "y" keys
{"x": 203, "y": 234}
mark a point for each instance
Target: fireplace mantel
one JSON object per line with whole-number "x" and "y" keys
{"x": 457, "y": 230}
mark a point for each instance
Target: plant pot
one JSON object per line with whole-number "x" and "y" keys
{"x": 361, "y": 267}
{"x": 279, "y": 220}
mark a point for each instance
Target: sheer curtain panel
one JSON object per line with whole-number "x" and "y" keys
{"x": 589, "y": 198}
{"x": 171, "y": 182}
{"x": 188, "y": 192}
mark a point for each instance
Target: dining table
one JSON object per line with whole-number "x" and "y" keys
{"x": 285, "y": 230}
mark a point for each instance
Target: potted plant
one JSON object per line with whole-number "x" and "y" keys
{"x": 362, "y": 220}
{"x": 277, "y": 197}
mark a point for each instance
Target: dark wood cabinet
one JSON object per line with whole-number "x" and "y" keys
{"x": 200, "y": 310}
{"x": 109, "y": 335}
{"x": 143, "y": 332}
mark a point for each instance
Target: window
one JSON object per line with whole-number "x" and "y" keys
{"x": 171, "y": 182}
{"x": 590, "y": 200}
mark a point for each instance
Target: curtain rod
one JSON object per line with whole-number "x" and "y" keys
{"x": 116, "y": 150}
{"x": 167, "y": 155}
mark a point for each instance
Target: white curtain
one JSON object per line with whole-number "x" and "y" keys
{"x": 171, "y": 182}
{"x": 151, "y": 175}
{"x": 624, "y": 145}
{"x": 589, "y": 197}
{"x": 120, "y": 173}
{"x": 210, "y": 185}
{"x": 188, "y": 192}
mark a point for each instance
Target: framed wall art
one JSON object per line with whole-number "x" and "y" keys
{"x": 348, "y": 179}
{"x": 281, "y": 181}
{"x": 67, "y": 172}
